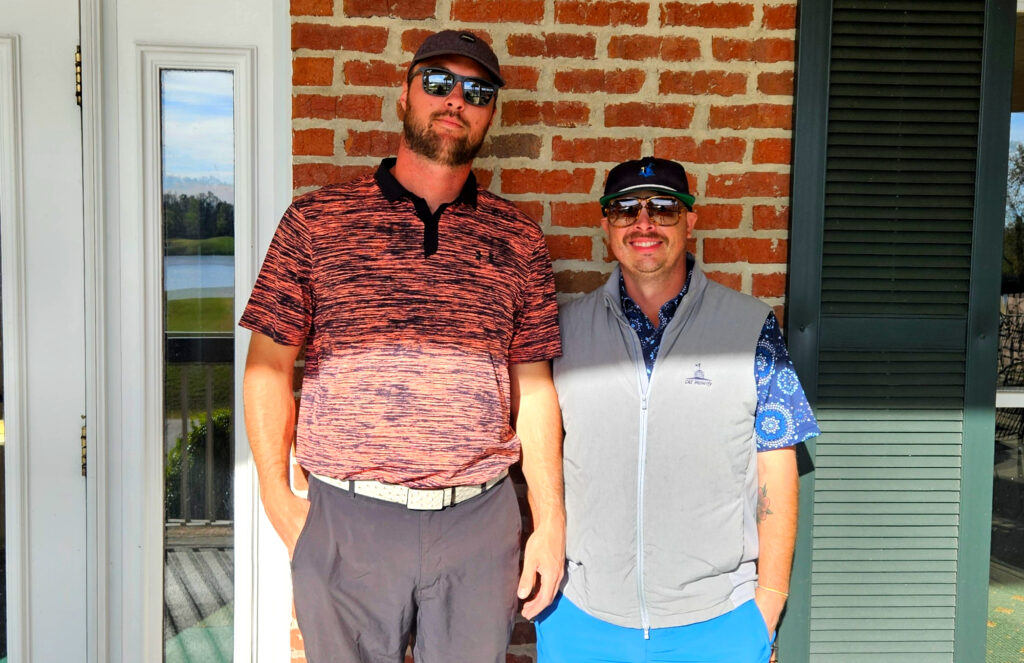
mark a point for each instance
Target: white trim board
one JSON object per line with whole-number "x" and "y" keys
{"x": 96, "y": 336}
{"x": 1010, "y": 398}
{"x": 16, "y": 424}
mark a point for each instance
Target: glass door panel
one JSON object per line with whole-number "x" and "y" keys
{"x": 1005, "y": 640}
{"x": 197, "y": 158}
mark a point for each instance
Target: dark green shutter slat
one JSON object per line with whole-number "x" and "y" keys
{"x": 910, "y": 460}
{"x": 858, "y": 421}
{"x": 906, "y": 154}
{"x": 856, "y": 41}
{"x": 851, "y": 110}
{"x": 899, "y": 442}
{"x": 882, "y": 589}
{"x": 923, "y": 490}
{"x": 920, "y": 273}
{"x": 891, "y": 600}
{"x": 896, "y": 204}
{"x": 889, "y": 473}
{"x": 921, "y": 448}
{"x": 939, "y": 612}
{"x": 853, "y": 86}
{"x": 872, "y": 283}
{"x": 898, "y": 29}
{"x": 909, "y": 74}
{"x": 868, "y": 498}
{"x": 905, "y": 11}
{"x": 876, "y": 246}
{"x": 879, "y": 127}
{"x": 858, "y": 650}
{"x": 891, "y": 169}
{"x": 867, "y": 261}
{"x": 941, "y": 647}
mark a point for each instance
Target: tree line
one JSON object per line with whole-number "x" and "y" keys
{"x": 202, "y": 216}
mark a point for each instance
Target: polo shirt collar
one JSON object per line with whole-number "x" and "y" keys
{"x": 393, "y": 189}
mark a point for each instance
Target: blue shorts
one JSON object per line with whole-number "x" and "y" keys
{"x": 566, "y": 634}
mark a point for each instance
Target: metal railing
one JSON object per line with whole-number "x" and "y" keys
{"x": 204, "y": 449}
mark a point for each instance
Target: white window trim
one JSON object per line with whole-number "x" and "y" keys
{"x": 241, "y": 63}
{"x": 1010, "y": 398}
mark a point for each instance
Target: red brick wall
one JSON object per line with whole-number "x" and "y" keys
{"x": 590, "y": 84}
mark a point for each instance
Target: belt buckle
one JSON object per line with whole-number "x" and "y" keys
{"x": 424, "y": 499}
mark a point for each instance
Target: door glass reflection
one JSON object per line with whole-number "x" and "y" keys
{"x": 1006, "y": 578}
{"x": 197, "y": 145}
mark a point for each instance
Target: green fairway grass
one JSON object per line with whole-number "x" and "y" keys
{"x": 207, "y": 314}
{"x": 213, "y": 246}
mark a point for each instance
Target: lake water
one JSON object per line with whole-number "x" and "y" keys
{"x": 186, "y": 277}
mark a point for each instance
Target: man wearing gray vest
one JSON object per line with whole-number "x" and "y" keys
{"x": 681, "y": 410}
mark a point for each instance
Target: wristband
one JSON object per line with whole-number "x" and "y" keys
{"x": 769, "y": 589}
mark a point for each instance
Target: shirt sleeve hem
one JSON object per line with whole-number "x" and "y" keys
{"x": 530, "y": 359}
{"x": 274, "y": 335}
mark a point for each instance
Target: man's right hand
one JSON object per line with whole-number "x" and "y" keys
{"x": 287, "y": 513}
{"x": 270, "y": 423}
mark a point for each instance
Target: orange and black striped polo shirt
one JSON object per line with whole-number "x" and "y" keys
{"x": 406, "y": 377}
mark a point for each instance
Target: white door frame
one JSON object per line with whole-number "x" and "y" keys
{"x": 96, "y": 348}
{"x": 124, "y": 360}
{"x": 12, "y": 225}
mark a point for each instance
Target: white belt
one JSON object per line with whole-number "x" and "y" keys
{"x": 421, "y": 499}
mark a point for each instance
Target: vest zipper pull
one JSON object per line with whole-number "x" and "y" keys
{"x": 647, "y": 633}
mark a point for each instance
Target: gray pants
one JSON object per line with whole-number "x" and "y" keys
{"x": 367, "y": 573}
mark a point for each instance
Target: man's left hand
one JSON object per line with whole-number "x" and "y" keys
{"x": 543, "y": 566}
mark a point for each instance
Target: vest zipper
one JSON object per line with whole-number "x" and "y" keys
{"x": 641, "y": 465}
{"x": 643, "y": 386}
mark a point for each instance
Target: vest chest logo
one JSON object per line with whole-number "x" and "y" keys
{"x": 698, "y": 378}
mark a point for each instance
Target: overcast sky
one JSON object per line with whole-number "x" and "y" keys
{"x": 198, "y": 124}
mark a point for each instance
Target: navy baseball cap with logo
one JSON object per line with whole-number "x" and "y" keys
{"x": 651, "y": 174}
{"x": 460, "y": 42}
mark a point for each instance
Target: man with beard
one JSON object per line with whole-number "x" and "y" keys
{"x": 426, "y": 307}
{"x": 681, "y": 411}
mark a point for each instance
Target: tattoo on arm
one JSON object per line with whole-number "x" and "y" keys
{"x": 763, "y": 504}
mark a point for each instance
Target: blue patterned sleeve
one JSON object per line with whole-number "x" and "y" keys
{"x": 783, "y": 417}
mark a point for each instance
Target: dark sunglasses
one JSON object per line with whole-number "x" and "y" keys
{"x": 662, "y": 210}
{"x": 440, "y": 83}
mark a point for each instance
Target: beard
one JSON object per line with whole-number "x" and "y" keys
{"x": 426, "y": 142}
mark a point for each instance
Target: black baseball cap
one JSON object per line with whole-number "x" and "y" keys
{"x": 460, "y": 42}
{"x": 648, "y": 173}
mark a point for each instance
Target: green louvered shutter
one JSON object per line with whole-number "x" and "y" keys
{"x": 883, "y": 312}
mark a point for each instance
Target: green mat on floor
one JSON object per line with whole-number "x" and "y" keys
{"x": 209, "y": 641}
{"x": 1005, "y": 641}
